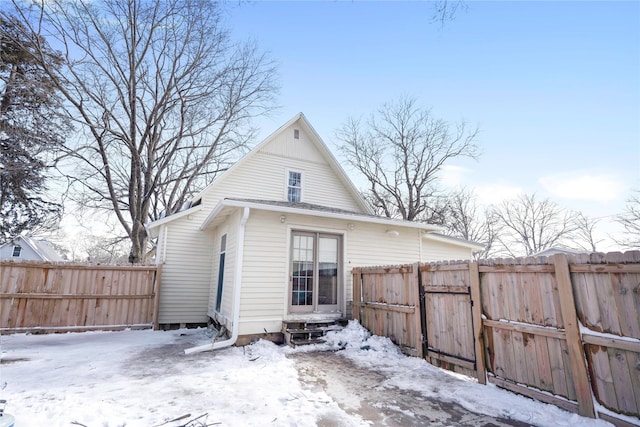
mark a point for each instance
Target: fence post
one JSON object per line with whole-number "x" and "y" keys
{"x": 476, "y": 313}
{"x": 156, "y": 298}
{"x": 418, "y": 313}
{"x": 574, "y": 343}
{"x": 356, "y": 292}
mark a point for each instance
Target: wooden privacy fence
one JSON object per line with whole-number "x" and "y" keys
{"x": 57, "y": 297}
{"x": 563, "y": 329}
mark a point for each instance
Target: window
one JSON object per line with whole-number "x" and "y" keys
{"x": 17, "y": 250}
{"x": 223, "y": 251}
{"x": 294, "y": 187}
{"x": 296, "y": 134}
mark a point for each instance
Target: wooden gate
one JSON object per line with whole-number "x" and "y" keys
{"x": 447, "y": 318}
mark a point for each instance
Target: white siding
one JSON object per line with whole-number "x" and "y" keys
{"x": 263, "y": 175}
{"x": 186, "y": 273}
{"x": 441, "y": 251}
{"x": 265, "y": 278}
{"x": 191, "y": 256}
{"x": 264, "y": 273}
{"x": 230, "y": 228}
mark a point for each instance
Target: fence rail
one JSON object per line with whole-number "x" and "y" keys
{"x": 53, "y": 297}
{"x": 563, "y": 329}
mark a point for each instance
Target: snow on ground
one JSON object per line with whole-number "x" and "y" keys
{"x": 142, "y": 378}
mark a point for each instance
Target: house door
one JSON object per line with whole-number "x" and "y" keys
{"x": 315, "y": 275}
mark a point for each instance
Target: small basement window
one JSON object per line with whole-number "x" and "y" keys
{"x": 17, "y": 250}
{"x": 294, "y": 186}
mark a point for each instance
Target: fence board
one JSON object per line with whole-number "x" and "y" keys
{"x": 576, "y": 355}
{"x": 527, "y": 337}
{"x": 60, "y": 296}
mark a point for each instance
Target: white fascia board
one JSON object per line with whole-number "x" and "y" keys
{"x": 323, "y": 214}
{"x": 154, "y": 225}
{"x": 454, "y": 241}
{"x": 213, "y": 214}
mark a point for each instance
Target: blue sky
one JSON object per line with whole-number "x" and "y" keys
{"x": 553, "y": 86}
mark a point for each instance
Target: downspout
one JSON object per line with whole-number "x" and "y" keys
{"x": 236, "y": 295}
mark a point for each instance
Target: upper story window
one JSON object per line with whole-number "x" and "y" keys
{"x": 294, "y": 186}
{"x": 17, "y": 250}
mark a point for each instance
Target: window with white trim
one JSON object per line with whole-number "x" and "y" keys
{"x": 294, "y": 186}
{"x": 17, "y": 250}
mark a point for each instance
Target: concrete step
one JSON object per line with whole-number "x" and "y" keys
{"x": 305, "y": 332}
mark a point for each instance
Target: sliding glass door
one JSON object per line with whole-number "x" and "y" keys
{"x": 315, "y": 275}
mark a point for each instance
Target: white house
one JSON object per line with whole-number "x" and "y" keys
{"x": 275, "y": 238}
{"x": 29, "y": 249}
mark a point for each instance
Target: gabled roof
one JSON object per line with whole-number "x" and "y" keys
{"x": 319, "y": 143}
{"x": 41, "y": 247}
{"x": 315, "y": 139}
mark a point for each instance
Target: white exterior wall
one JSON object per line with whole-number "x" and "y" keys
{"x": 230, "y": 228}
{"x": 265, "y": 274}
{"x": 190, "y": 256}
{"x": 264, "y": 175}
{"x": 186, "y": 254}
{"x": 441, "y": 251}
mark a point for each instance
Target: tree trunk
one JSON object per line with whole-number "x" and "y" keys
{"x": 138, "y": 243}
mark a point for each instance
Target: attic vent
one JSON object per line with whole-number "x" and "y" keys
{"x": 296, "y": 134}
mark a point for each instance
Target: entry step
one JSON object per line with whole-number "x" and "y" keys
{"x": 304, "y": 332}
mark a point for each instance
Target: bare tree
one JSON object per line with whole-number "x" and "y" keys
{"x": 400, "y": 150}
{"x": 162, "y": 95}
{"x": 446, "y": 10}
{"x": 530, "y": 225}
{"x": 585, "y": 236}
{"x": 630, "y": 220}
{"x": 465, "y": 219}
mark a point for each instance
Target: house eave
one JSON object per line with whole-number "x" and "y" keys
{"x": 475, "y": 247}
{"x": 224, "y": 205}
{"x": 153, "y": 226}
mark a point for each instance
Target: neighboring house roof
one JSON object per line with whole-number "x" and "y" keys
{"x": 42, "y": 248}
{"x": 474, "y": 246}
{"x": 558, "y": 250}
{"x": 225, "y": 206}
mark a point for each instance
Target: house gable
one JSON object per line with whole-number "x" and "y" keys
{"x": 30, "y": 249}
{"x": 263, "y": 173}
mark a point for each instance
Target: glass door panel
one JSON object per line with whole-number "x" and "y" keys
{"x": 302, "y": 272}
{"x": 327, "y": 272}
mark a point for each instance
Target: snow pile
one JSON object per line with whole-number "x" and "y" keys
{"x": 141, "y": 378}
{"x": 411, "y": 373}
